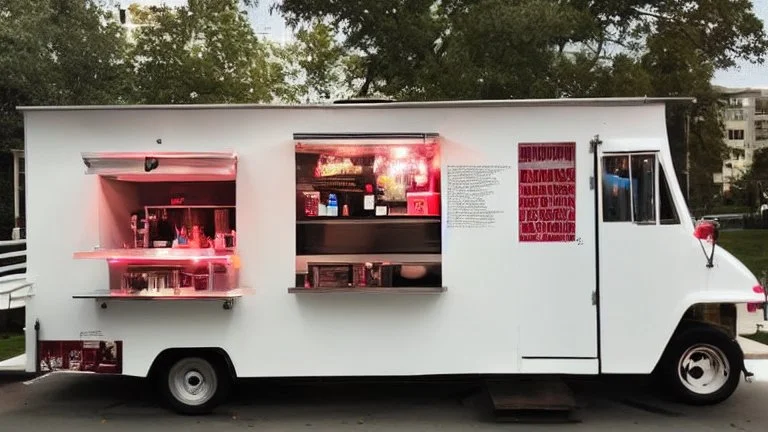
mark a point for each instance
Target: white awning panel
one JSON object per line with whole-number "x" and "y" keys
{"x": 160, "y": 166}
{"x": 372, "y": 142}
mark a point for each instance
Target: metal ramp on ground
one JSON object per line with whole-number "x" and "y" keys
{"x": 531, "y": 400}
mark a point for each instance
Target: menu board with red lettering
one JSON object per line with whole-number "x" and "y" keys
{"x": 547, "y": 192}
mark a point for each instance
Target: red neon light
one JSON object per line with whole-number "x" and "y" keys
{"x": 144, "y": 255}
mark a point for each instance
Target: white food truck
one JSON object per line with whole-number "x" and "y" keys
{"x": 197, "y": 244}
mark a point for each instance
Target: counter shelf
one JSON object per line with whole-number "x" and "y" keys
{"x": 168, "y": 273}
{"x": 369, "y": 290}
{"x": 159, "y": 254}
{"x": 371, "y": 278}
{"x": 226, "y": 296}
{"x": 370, "y": 220}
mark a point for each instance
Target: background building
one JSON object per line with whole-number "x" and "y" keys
{"x": 745, "y": 115}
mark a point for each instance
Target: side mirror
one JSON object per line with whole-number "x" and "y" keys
{"x": 709, "y": 231}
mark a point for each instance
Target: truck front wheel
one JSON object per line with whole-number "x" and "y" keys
{"x": 193, "y": 385}
{"x": 701, "y": 366}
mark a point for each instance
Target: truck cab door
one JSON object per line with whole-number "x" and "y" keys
{"x": 642, "y": 247}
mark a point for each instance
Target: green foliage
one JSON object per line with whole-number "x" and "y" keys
{"x": 205, "y": 52}
{"x": 488, "y": 49}
{"x": 751, "y": 189}
{"x": 748, "y": 246}
{"x": 11, "y": 345}
{"x": 317, "y": 63}
{"x": 56, "y": 52}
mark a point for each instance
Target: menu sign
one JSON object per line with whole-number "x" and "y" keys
{"x": 547, "y": 192}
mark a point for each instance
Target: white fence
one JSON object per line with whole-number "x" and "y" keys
{"x": 14, "y": 287}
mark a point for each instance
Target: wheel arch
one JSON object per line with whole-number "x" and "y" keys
{"x": 719, "y": 316}
{"x": 217, "y": 354}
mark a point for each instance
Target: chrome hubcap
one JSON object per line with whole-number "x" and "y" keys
{"x": 192, "y": 381}
{"x": 703, "y": 369}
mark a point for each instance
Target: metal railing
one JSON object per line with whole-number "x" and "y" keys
{"x": 14, "y": 287}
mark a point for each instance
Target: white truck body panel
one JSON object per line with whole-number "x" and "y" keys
{"x": 510, "y": 307}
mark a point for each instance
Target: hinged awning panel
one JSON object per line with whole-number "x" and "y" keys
{"x": 162, "y": 166}
{"x": 335, "y": 142}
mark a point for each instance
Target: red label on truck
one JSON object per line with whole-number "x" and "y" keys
{"x": 81, "y": 355}
{"x": 547, "y": 192}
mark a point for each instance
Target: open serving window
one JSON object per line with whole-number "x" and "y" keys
{"x": 167, "y": 225}
{"x": 368, "y": 213}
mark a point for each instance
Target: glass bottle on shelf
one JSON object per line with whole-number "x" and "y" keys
{"x": 333, "y": 205}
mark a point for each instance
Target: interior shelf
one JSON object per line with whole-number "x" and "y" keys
{"x": 370, "y": 220}
{"x": 158, "y": 254}
{"x": 370, "y": 290}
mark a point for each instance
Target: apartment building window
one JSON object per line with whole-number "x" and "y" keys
{"x": 761, "y": 130}
{"x": 735, "y": 115}
{"x": 761, "y": 106}
{"x": 735, "y": 103}
{"x": 735, "y": 134}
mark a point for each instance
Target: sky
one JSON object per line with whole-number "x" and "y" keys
{"x": 747, "y": 75}
{"x": 273, "y": 27}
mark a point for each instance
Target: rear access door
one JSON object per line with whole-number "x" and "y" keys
{"x": 557, "y": 210}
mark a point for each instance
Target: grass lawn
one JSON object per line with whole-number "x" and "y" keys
{"x": 761, "y": 337}
{"x": 11, "y": 345}
{"x": 749, "y": 246}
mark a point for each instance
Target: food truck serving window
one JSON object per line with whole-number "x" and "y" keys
{"x": 167, "y": 225}
{"x": 362, "y": 198}
{"x": 156, "y": 166}
{"x": 359, "y": 177}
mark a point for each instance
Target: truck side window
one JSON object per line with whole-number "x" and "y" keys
{"x": 616, "y": 200}
{"x": 643, "y": 179}
{"x": 629, "y": 193}
{"x": 668, "y": 213}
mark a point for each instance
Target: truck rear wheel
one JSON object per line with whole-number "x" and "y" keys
{"x": 701, "y": 366}
{"x": 194, "y": 385}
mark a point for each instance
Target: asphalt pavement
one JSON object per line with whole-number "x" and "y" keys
{"x": 68, "y": 402}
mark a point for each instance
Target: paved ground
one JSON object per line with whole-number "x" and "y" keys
{"x": 80, "y": 403}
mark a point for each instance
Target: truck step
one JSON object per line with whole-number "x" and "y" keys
{"x": 531, "y": 400}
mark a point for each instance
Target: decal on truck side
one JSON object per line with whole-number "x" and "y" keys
{"x": 547, "y": 192}
{"x": 83, "y": 356}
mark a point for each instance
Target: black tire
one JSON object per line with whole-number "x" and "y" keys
{"x": 194, "y": 384}
{"x": 701, "y": 366}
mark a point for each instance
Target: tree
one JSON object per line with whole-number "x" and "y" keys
{"x": 751, "y": 189}
{"x": 318, "y": 63}
{"x": 56, "y": 52}
{"x": 500, "y": 48}
{"x": 205, "y": 52}
{"x": 497, "y": 49}
{"x": 53, "y": 52}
